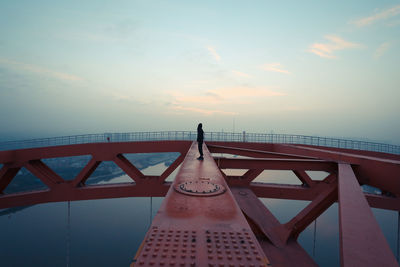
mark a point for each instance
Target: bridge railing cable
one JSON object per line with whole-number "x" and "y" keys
{"x": 208, "y": 136}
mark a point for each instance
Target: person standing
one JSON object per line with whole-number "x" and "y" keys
{"x": 200, "y": 138}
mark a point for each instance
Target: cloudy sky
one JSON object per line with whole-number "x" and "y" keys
{"x": 328, "y": 68}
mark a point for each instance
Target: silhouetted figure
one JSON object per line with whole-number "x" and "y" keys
{"x": 200, "y": 138}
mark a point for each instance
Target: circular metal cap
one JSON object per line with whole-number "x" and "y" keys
{"x": 200, "y": 188}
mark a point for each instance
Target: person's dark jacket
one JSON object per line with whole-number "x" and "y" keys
{"x": 200, "y": 135}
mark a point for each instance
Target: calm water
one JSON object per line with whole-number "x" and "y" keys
{"x": 108, "y": 232}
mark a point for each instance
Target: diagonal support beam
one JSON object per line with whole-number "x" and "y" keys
{"x": 312, "y": 211}
{"x": 85, "y": 173}
{"x": 6, "y": 176}
{"x": 44, "y": 173}
{"x": 252, "y": 174}
{"x": 128, "y": 168}
{"x": 279, "y": 252}
{"x": 172, "y": 167}
{"x": 304, "y": 177}
{"x": 362, "y": 242}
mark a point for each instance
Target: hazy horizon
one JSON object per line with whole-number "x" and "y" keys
{"x": 310, "y": 68}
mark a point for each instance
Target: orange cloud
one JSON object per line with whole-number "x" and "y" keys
{"x": 214, "y": 53}
{"x": 275, "y": 67}
{"x": 207, "y": 112}
{"x": 326, "y": 49}
{"x": 381, "y": 50}
{"x": 385, "y": 14}
{"x": 39, "y": 70}
{"x": 240, "y": 74}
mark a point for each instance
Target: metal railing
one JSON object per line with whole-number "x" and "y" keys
{"x": 208, "y": 136}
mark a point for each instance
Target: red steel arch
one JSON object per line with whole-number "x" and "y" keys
{"x": 236, "y": 212}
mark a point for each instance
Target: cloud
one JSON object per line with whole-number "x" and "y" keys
{"x": 220, "y": 100}
{"x": 225, "y": 95}
{"x": 241, "y": 92}
{"x": 381, "y": 50}
{"x": 40, "y": 70}
{"x": 241, "y": 74}
{"x": 383, "y": 15}
{"x": 275, "y": 67}
{"x": 213, "y": 53}
{"x": 207, "y": 112}
{"x": 326, "y": 49}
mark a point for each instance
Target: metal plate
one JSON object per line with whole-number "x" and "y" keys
{"x": 200, "y": 188}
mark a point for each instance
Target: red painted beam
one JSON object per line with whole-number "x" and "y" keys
{"x": 6, "y": 176}
{"x": 200, "y": 229}
{"x": 252, "y": 152}
{"x": 99, "y": 151}
{"x": 280, "y": 252}
{"x": 362, "y": 242}
{"x": 276, "y": 164}
{"x": 304, "y": 178}
{"x": 312, "y": 211}
{"x": 382, "y": 173}
{"x": 66, "y": 192}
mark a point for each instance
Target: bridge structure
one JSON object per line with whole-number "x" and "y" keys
{"x": 209, "y": 218}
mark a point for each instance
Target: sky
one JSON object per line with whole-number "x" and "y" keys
{"x": 326, "y": 68}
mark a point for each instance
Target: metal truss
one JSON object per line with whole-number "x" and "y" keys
{"x": 361, "y": 240}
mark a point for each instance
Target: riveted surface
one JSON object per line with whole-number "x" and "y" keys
{"x": 192, "y": 230}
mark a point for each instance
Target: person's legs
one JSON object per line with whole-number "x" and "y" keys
{"x": 200, "y": 146}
